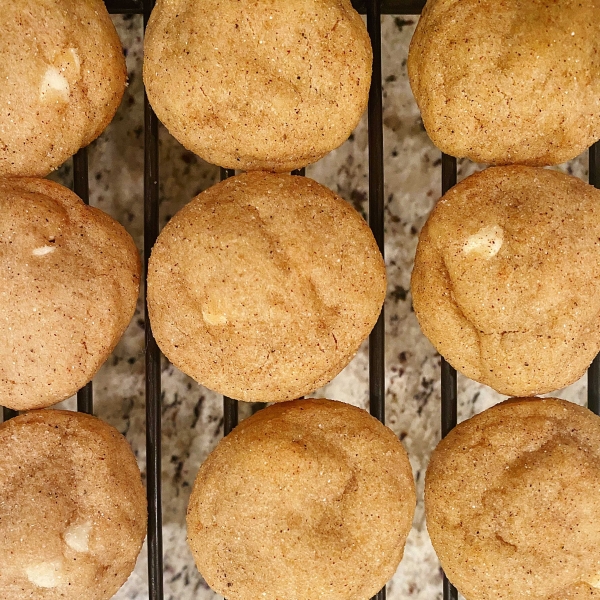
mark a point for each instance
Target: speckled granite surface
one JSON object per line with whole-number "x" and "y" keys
{"x": 192, "y": 416}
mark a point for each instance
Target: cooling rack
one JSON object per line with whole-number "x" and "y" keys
{"x": 373, "y": 9}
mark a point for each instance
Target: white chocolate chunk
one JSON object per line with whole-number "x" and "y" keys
{"x": 45, "y": 574}
{"x": 595, "y": 582}
{"x": 486, "y": 242}
{"x": 43, "y": 250}
{"x": 76, "y": 60}
{"x": 213, "y": 318}
{"x": 77, "y": 536}
{"x": 54, "y": 86}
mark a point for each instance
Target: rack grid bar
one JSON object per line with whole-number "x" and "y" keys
{"x": 85, "y": 396}
{"x": 376, "y": 216}
{"x": 593, "y": 391}
{"x": 230, "y": 406}
{"x": 153, "y": 383}
{"x": 376, "y": 208}
{"x": 448, "y": 374}
{"x": 388, "y": 7}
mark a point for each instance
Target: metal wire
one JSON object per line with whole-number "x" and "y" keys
{"x": 448, "y": 374}
{"x": 388, "y": 7}
{"x": 153, "y": 384}
{"x": 593, "y": 392}
{"x": 230, "y": 406}
{"x": 376, "y": 216}
{"x": 85, "y": 396}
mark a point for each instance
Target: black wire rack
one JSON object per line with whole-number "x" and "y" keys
{"x": 373, "y": 9}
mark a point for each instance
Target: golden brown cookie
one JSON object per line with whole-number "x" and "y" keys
{"x": 305, "y": 499}
{"x": 69, "y": 280}
{"x": 264, "y": 286}
{"x": 274, "y": 87}
{"x": 517, "y": 82}
{"x": 63, "y": 75}
{"x": 512, "y": 499}
{"x": 506, "y": 282}
{"x": 72, "y": 507}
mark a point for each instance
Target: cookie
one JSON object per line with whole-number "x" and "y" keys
{"x": 512, "y": 83}
{"x": 263, "y": 287}
{"x": 273, "y": 88}
{"x": 506, "y": 282}
{"x": 72, "y": 507}
{"x": 512, "y": 499}
{"x": 305, "y": 499}
{"x": 69, "y": 281}
{"x": 63, "y": 75}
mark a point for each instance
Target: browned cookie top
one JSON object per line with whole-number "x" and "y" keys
{"x": 506, "y": 282}
{"x": 509, "y": 81}
{"x": 264, "y": 286}
{"x": 69, "y": 280}
{"x": 305, "y": 499}
{"x": 72, "y": 507}
{"x": 63, "y": 75}
{"x": 512, "y": 498}
{"x": 270, "y": 85}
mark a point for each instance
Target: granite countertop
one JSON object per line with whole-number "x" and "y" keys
{"x": 192, "y": 416}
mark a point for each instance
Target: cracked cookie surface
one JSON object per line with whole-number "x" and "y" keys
{"x": 263, "y": 287}
{"x": 274, "y": 87}
{"x": 512, "y": 499}
{"x": 63, "y": 76}
{"x": 305, "y": 499}
{"x": 72, "y": 507}
{"x": 506, "y": 282}
{"x": 511, "y": 82}
{"x": 69, "y": 282}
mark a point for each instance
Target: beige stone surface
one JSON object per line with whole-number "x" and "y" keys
{"x": 506, "y": 282}
{"x": 504, "y": 82}
{"x": 305, "y": 499}
{"x": 512, "y": 498}
{"x": 72, "y": 507}
{"x": 63, "y": 75}
{"x": 69, "y": 281}
{"x": 272, "y": 85}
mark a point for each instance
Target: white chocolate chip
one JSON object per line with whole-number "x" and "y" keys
{"x": 486, "y": 242}
{"x": 54, "y": 86}
{"x": 213, "y": 318}
{"x": 45, "y": 574}
{"x": 43, "y": 250}
{"x": 76, "y": 60}
{"x": 595, "y": 582}
{"x": 77, "y": 536}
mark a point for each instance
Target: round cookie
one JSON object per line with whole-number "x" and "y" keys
{"x": 263, "y": 287}
{"x": 517, "y": 82}
{"x": 63, "y": 75}
{"x": 69, "y": 281}
{"x": 512, "y": 499}
{"x": 305, "y": 499}
{"x": 506, "y": 282}
{"x": 72, "y": 507}
{"x": 273, "y": 88}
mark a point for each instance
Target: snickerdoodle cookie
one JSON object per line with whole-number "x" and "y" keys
{"x": 274, "y": 87}
{"x": 305, "y": 499}
{"x": 69, "y": 280}
{"x": 506, "y": 283}
{"x": 72, "y": 507}
{"x": 516, "y": 82}
{"x": 264, "y": 286}
{"x": 63, "y": 75}
{"x": 512, "y": 498}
